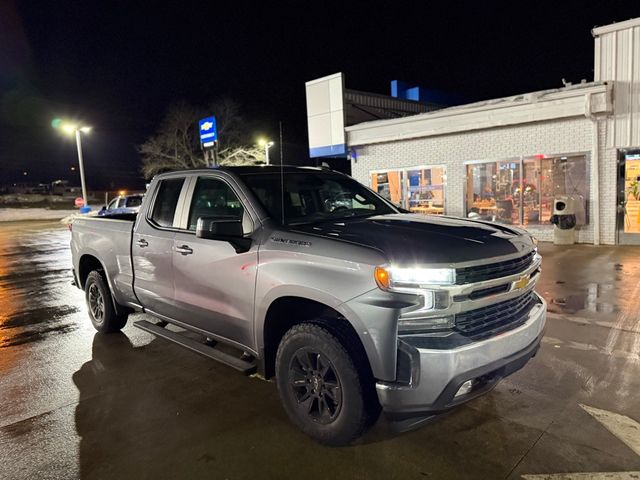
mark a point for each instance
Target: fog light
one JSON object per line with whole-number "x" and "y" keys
{"x": 465, "y": 388}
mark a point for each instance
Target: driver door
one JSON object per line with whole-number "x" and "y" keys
{"x": 215, "y": 285}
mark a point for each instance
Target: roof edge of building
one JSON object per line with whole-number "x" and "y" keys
{"x": 632, "y": 22}
{"x": 524, "y": 108}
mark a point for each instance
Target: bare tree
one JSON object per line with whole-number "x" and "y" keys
{"x": 176, "y": 145}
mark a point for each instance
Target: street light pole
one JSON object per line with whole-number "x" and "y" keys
{"x": 81, "y": 163}
{"x": 267, "y": 145}
{"x": 77, "y": 130}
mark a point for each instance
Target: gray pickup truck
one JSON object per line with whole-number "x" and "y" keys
{"x": 306, "y": 276}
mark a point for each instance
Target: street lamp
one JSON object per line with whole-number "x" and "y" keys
{"x": 267, "y": 145}
{"x": 73, "y": 129}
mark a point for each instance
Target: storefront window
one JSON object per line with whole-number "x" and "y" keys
{"x": 389, "y": 186}
{"x": 493, "y": 191}
{"x": 538, "y": 192}
{"x": 426, "y": 190}
{"x": 548, "y": 177}
{"x": 419, "y": 189}
{"x": 497, "y": 191}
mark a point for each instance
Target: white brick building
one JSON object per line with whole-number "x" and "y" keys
{"x": 506, "y": 159}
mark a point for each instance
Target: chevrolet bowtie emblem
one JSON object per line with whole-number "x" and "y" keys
{"x": 521, "y": 283}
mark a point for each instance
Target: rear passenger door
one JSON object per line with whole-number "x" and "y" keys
{"x": 152, "y": 247}
{"x": 214, "y": 285}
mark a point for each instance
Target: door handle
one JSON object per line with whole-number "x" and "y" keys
{"x": 184, "y": 250}
{"x": 142, "y": 243}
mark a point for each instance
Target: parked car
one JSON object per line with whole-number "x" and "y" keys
{"x": 317, "y": 281}
{"x": 122, "y": 204}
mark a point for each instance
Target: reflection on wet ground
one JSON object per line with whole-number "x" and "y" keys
{"x": 76, "y": 404}
{"x": 591, "y": 301}
{"x": 34, "y": 281}
{"x": 588, "y": 280}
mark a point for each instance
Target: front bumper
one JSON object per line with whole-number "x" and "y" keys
{"x": 436, "y": 375}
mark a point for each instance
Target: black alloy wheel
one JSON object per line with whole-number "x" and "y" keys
{"x": 101, "y": 306}
{"x": 315, "y": 385}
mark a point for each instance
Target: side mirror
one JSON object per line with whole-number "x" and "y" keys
{"x": 216, "y": 228}
{"x": 224, "y": 229}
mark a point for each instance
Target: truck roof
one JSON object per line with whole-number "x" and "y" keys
{"x": 251, "y": 169}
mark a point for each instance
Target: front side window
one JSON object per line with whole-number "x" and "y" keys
{"x": 164, "y": 207}
{"x": 213, "y": 198}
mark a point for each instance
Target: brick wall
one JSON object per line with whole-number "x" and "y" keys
{"x": 550, "y": 138}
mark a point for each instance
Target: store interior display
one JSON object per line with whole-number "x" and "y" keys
{"x": 419, "y": 190}
{"x": 632, "y": 194}
{"x": 521, "y": 191}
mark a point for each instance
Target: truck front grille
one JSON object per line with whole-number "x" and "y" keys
{"x": 493, "y": 270}
{"x": 496, "y": 318}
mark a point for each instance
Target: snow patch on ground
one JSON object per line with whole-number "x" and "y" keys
{"x": 19, "y": 214}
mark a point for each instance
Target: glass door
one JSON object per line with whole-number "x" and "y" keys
{"x": 629, "y": 197}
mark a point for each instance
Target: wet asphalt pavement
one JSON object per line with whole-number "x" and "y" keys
{"x": 76, "y": 404}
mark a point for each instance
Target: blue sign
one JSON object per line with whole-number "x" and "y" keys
{"x": 208, "y": 131}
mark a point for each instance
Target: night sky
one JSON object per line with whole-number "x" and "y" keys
{"x": 119, "y": 65}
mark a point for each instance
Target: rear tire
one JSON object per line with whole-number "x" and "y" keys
{"x": 319, "y": 386}
{"x": 100, "y": 305}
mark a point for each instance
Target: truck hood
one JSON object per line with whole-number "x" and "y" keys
{"x": 410, "y": 239}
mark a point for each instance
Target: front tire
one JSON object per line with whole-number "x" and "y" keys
{"x": 319, "y": 386}
{"x": 100, "y": 305}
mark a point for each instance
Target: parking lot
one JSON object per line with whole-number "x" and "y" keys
{"x": 77, "y": 404}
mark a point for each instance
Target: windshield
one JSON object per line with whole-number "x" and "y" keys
{"x": 314, "y": 196}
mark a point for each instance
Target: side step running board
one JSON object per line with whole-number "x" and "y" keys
{"x": 245, "y": 367}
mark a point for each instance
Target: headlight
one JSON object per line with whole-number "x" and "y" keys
{"x": 534, "y": 240}
{"x": 423, "y": 282}
{"x": 402, "y": 279}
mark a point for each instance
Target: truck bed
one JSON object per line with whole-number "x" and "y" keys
{"x": 108, "y": 239}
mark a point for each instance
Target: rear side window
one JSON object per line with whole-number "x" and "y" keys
{"x": 166, "y": 200}
{"x": 134, "y": 201}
